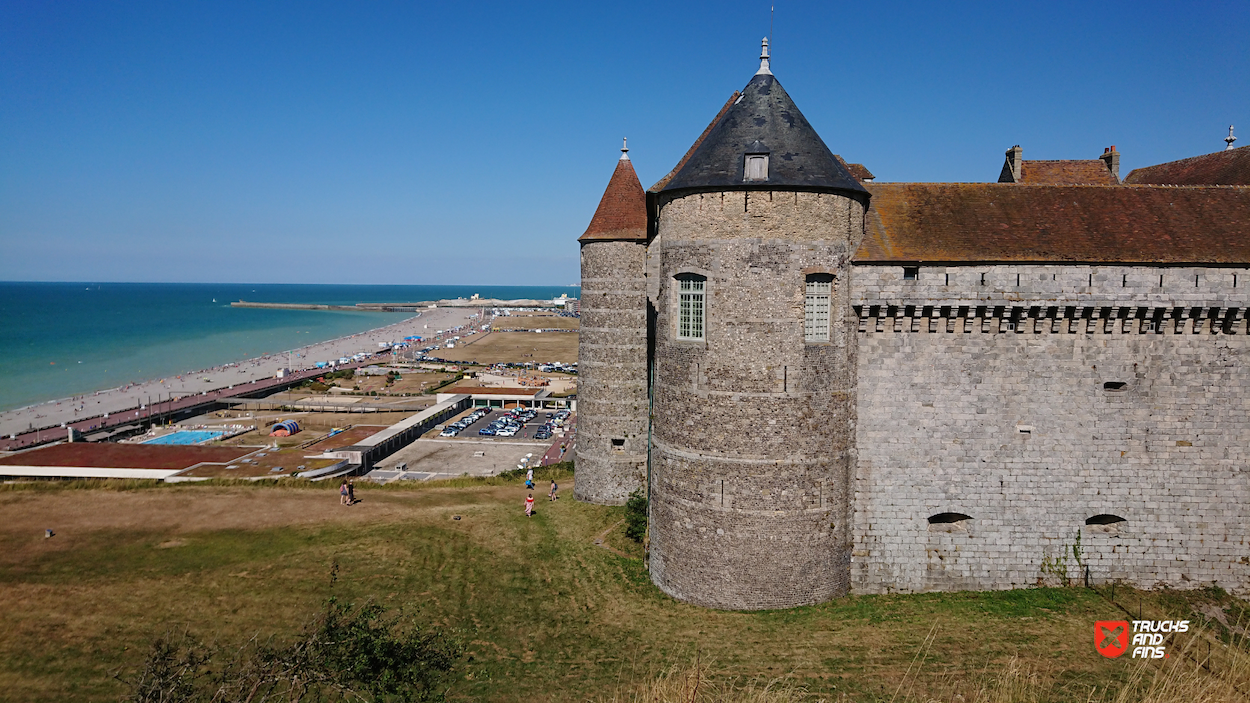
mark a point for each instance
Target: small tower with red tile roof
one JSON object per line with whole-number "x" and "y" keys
{"x": 611, "y": 448}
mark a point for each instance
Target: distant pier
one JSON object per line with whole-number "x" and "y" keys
{"x": 402, "y": 307}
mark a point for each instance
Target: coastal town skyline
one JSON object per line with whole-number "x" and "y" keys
{"x": 254, "y": 144}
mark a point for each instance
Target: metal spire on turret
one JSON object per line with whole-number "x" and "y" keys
{"x": 764, "y": 70}
{"x": 1229, "y": 139}
{"x": 624, "y": 148}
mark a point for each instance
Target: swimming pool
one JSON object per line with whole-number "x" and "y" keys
{"x": 187, "y": 437}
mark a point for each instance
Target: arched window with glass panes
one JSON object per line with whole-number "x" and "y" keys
{"x": 690, "y": 305}
{"x": 817, "y": 306}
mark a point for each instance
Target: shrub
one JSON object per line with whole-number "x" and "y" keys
{"x": 636, "y": 516}
{"x": 348, "y": 653}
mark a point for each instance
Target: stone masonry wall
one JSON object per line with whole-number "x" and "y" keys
{"x": 752, "y": 426}
{"x": 1081, "y": 391}
{"x": 612, "y": 407}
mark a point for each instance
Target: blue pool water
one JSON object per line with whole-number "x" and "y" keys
{"x": 186, "y": 437}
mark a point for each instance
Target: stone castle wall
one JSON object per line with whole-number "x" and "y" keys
{"x": 752, "y": 426}
{"x": 1038, "y": 399}
{"x": 612, "y": 404}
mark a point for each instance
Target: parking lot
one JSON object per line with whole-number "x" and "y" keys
{"x": 529, "y": 426}
{"x": 427, "y": 459}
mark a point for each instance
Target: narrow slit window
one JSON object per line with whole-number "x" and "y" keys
{"x": 816, "y": 307}
{"x": 690, "y": 307}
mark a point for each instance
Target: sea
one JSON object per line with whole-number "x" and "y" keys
{"x": 63, "y": 339}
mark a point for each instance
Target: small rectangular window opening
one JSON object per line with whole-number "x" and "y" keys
{"x": 1161, "y": 281}
{"x": 948, "y": 279}
{"x": 1017, "y": 279}
{"x": 982, "y": 279}
{"x": 911, "y": 273}
{"x": 1195, "y": 280}
{"x": 1124, "y": 281}
{"x": 816, "y": 307}
{"x": 618, "y": 445}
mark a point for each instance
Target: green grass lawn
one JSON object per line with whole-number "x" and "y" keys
{"x": 545, "y": 613}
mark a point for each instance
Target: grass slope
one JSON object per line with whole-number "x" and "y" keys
{"x": 547, "y": 614}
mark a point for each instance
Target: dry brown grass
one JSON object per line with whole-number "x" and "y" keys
{"x": 517, "y": 347}
{"x": 534, "y": 322}
{"x": 546, "y": 613}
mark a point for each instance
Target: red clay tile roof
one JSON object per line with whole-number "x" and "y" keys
{"x": 984, "y": 222}
{"x": 659, "y": 185}
{"x": 622, "y": 212}
{"x": 110, "y": 455}
{"x": 859, "y": 171}
{"x": 1066, "y": 172}
{"x": 1223, "y": 168}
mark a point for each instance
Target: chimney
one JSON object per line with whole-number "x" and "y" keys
{"x": 1011, "y": 168}
{"x": 1111, "y": 158}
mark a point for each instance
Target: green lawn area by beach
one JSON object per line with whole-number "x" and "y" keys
{"x": 544, "y": 612}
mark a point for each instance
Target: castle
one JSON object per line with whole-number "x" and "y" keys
{"x": 828, "y": 385}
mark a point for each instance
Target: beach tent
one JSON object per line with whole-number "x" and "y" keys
{"x": 284, "y": 428}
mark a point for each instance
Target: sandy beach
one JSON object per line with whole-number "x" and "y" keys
{"x": 53, "y": 413}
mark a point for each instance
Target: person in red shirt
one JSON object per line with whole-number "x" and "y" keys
{"x": 529, "y": 505}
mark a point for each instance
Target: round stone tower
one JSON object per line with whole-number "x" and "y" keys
{"x": 754, "y": 396}
{"x": 611, "y": 445}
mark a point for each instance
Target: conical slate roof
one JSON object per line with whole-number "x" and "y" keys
{"x": 764, "y": 120}
{"x": 622, "y": 213}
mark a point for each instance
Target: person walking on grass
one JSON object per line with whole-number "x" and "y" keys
{"x": 529, "y": 505}
{"x": 351, "y": 493}
{"x": 343, "y": 492}
{"x": 552, "y": 495}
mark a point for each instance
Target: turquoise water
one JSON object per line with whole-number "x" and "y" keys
{"x": 186, "y": 437}
{"x": 63, "y": 339}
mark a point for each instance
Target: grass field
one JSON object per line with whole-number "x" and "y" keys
{"x": 533, "y": 322}
{"x": 546, "y": 613}
{"x": 502, "y": 347}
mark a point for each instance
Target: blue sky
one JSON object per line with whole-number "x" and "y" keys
{"x": 469, "y": 142}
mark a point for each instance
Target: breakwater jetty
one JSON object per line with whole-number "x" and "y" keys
{"x": 402, "y": 307}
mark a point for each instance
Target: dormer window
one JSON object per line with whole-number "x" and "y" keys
{"x": 756, "y": 167}
{"x": 755, "y": 163}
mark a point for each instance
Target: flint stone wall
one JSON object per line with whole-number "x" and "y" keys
{"x": 752, "y": 426}
{"x": 612, "y": 373}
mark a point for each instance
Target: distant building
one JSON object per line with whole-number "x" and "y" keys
{"x": 831, "y": 385}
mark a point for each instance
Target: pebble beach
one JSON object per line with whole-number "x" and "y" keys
{"x": 65, "y": 410}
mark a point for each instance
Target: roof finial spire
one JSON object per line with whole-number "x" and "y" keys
{"x": 764, "y": 71}
{"x": 624, "y": 149}
{"x": 1229, "y": 139}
